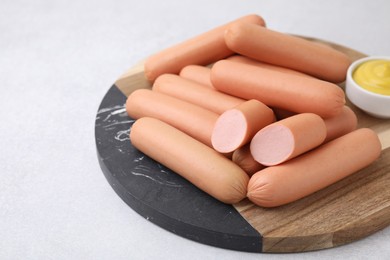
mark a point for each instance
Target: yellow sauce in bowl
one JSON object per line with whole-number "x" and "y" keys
{"x": 374, "y": 76}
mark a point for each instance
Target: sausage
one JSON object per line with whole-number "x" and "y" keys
{"x": 277, "y": 89}
{"x": 235, "y": 127}
{"x": 288, "y": 51}
{"x": 200, "y": 50}
{"x": 243, "y": 158}
{"x": 249, "y": 61}
{"x": 335, "y": 127}
{"x": 189, "y": 118}
{"x": 287, "y": 138}
{"x": 197, "y": 73}
{"x": 192, "y": 92}
{"x": 196, "y": 162}
{"x": 312, "y": 171}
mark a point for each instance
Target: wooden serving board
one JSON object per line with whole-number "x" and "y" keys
{"x": 348, "y": 210}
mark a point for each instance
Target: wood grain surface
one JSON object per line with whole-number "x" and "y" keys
{"x": 348, "y": 210}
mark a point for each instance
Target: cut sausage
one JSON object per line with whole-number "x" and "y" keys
{"x": 192, "y": 92}
{"x": 196, "y": 162}
{"x": 197, "y": 73}
{"x": 235, "y": 127}
{"x": 277, "y": 89}
{"x": 288, "y": 51}
{"x": 200, "y": 50}
{"x": 317, "y": 169}
{"x": 191, "y": 119}
{"x": 335, "y": 127}
{"x": 287, "y": 138}
{"x": 243, "y": 158}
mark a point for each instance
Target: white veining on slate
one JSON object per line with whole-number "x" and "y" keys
{"x": 119, "y": 123}
{"x": 103, "y": 110}
{"x": 119, "y": 110}
{"x": 111, "y": 120}
{"x": 145, "y": 171}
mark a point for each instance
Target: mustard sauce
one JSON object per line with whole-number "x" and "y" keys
{"x": 374, "y": 76}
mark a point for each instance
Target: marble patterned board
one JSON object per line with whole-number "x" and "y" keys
{"x": 342, "y": 213}
{"x": 157, "y": 193}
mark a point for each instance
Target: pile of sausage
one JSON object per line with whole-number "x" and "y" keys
{"x": 265, "y": 120}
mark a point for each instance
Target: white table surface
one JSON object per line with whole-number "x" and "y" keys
{"x": 57, "y": 60}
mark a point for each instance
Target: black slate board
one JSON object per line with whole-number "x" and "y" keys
{"x": 160, "y": 195}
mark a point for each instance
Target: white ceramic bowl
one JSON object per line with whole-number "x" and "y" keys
{"x": 372, "y": 103}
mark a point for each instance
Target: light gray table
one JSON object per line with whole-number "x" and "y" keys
{"x": 58, "y": 59}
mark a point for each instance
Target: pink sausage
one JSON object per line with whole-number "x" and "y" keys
{"x": 287, "y": 138}
{"x": 277, "y": 89}
{"x": 196, "y": 162}
{"x": 317, "y": 169}
{"x": 335, "y": 127}
{"x": 287, "y": 51}
{"x": 235, "y": 127}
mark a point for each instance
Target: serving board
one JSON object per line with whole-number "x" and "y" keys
{"x": 348, "y": 210}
